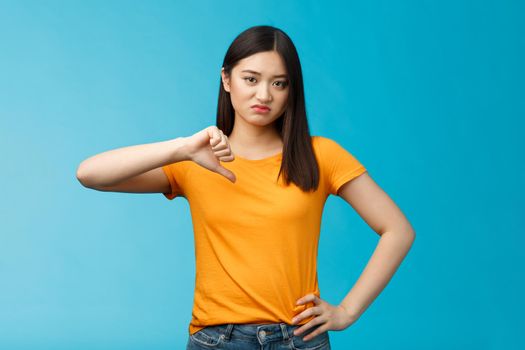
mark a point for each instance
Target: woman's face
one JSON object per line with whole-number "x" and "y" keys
{"x": 259, "y": 79}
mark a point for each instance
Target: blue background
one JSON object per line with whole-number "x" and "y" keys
{"x": 428, "y": 95}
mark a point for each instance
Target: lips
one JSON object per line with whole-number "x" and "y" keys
{"x": 261, "y": 107}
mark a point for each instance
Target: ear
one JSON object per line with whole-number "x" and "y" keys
{"x": 225, "y": 80}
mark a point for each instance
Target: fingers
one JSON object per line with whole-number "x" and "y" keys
{"x": 217, "y": 139}
{"x": 306, "y": 313}
{"x": 221, "y": 149}
{"x": 308, "y": 298}
{"x": 216, "y": 136}
{"x": 314, "y": 323}
{"x": 316, "y": 332}
{"x": 220, "y": 145}
{"x": 315, "y": 311}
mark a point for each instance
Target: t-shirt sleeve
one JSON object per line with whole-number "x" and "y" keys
{"x": 339, "y": 165}
{"x": 175, "y": 172}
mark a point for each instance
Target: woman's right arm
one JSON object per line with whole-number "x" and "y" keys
{"x": 134, "y": 168}
{"x": 138, "y": 169}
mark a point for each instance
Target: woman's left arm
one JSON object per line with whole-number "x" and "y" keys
{"x": 396, "y": 237}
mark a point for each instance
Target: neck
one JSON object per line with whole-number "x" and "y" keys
{"x": 247, "y": 138}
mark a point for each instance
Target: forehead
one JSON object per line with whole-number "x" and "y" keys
{"x": 267, "y": 63}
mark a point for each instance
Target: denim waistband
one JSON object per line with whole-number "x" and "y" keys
{"x": 261, "y": 331}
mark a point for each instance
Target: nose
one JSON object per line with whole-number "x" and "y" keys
{"x": 263, "y": 94}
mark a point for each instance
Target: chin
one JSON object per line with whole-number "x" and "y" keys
{"x": 260, "y": 122}
{"x": 253, "y": 118}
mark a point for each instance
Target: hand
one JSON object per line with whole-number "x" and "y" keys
{"x": 209, "y": 146}
{"x": 329, "y": 316}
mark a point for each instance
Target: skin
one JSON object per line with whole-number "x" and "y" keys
{"x": 396, "y": 237}
{"x": 254, "y": 135}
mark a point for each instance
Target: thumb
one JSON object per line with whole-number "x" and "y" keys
{"x": 226, "y": 173}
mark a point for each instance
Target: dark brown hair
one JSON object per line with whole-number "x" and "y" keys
{"x": 299, "y": 164}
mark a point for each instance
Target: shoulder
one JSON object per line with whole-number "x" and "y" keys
{"x": 318, "y": 140}
{"x": 325, "y": 144}
{"x": 331, "y": 151}
{"x": 322, "y": 139}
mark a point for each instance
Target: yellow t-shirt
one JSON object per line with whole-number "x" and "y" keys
{"x": 256, "y": 240}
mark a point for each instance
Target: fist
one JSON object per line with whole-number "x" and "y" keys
{"x": 208, "y": 147}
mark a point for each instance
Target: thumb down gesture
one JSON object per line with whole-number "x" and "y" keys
{"x": 209, "y": 146}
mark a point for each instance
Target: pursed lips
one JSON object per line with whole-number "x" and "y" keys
{"x": 261, "y": 107}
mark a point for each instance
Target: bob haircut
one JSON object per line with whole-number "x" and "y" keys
{"x": 299, "y": 164}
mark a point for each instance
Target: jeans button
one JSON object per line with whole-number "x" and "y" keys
{"x": 262, "y": 334}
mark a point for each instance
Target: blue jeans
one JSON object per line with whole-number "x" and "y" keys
{"x": 260, "y": 336}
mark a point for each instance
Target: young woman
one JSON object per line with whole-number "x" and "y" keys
{"x": 256, "y": 184}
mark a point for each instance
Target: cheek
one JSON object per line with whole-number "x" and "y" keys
{"x": 283, "y": 99}
{"x": 238, "y": 101}
{"x": 239, "y": 94}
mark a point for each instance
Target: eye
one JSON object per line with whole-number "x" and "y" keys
{"x": 283, "y": 83}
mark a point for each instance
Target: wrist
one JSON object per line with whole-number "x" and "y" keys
{"x": 179, "y": 149}
{"x": 352, "y": 312}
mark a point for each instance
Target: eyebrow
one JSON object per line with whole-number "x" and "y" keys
{"x": 254, "y": 72}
